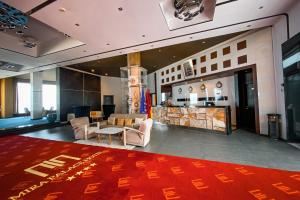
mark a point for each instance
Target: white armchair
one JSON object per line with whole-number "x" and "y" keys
{"x": 139, "y": 137}
{"x": 83, "y": 129}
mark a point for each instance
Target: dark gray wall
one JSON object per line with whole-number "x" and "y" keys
{"x": 78, "y": 89}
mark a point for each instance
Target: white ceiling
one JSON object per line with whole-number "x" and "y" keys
{"x": 101, "y": 23}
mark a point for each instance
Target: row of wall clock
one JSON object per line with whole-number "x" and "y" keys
{"x": 202, "y": 87}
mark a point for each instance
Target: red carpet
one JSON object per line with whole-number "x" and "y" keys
{"x": 47, "y": 170}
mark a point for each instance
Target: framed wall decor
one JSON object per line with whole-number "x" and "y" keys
{"x": 179, "y": 90}
{"x": 188, "y": 69}
{"x": 203, "y": 87}
{"x": 219, "y": 84}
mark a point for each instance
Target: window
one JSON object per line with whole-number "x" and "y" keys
{"x": 173, "y": 69}
{"x": 23, "y": 95}
{"x": 193, "y": 98}
{"x": 49, "y": 96}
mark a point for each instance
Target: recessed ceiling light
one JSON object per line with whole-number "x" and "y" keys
{"x": 143, "y": 35}
{"x": 159, "y": 50}
{"x": 120, "y": 9}
{"x": 261, "y": 7}
{"x": 107, "y": 44}
{"x": 62, "y": 9}
{"x": 92, "y": 70}
{"x": 77, "y": 24}
{"x": 174, "y": 56}
{"x": 106, "y": 74}
{"x": 120, "y": 52}
{"x": 203, "y": 42}
{"x": 191, "y": 37}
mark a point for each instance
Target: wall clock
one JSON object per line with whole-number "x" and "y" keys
{"x": 203, "y": 87}
{"x": 219, "y": 84}
{"x": 179, "y": 90}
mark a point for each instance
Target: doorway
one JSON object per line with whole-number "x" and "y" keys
{"x": 292, "y": 100}
{"x": 246, "y": 94}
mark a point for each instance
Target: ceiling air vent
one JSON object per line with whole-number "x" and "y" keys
{"x": 10, "y": 66}
{"x": 183, "y": 13}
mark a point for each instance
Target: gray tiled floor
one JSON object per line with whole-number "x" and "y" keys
{"x": 241, "y": 147}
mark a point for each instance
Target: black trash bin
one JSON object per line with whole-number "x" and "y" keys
{"x": 274, "y": 126}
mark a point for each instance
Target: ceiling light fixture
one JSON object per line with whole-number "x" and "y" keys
{"x": 203, "y": 42}
{"x": 188, "y": 9}
{"x": 92, "y": 70}
{"x": 11, "y": 18}
{"x": 106, "y": 74}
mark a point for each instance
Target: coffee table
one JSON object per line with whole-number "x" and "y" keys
{"x": 108, "y": 131}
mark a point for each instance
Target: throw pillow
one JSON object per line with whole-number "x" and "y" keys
{"x": 138, "y": 120}
{"x": 142, "y": 127}
{"x": 120, "y": 122}
{"x": 128, "y": 122}
{"x": 111, "y": 121}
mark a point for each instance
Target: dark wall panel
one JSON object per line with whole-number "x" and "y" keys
{"x": 71, "y": 79}
{"x": 93, "y": 99}
{"x": 78, "y": 89}
{"x": 91, "y": 83}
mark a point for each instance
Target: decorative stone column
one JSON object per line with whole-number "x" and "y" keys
{"x": 36, "y": 81}
{"x": 134, "y": 81}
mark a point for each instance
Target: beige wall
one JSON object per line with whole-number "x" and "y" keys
{"x": 259, "y": 51}
{"x": 112, "y": 86}
{"x": 7, "y": 98}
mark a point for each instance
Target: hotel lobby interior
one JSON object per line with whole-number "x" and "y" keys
{"x": 140, "y": 99}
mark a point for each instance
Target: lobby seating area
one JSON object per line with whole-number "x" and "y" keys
{"x": 150, "y": 100}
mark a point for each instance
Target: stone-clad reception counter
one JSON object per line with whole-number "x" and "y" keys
{"x": 216, "y": 118}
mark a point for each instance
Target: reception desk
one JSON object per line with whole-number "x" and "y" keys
{"x": 215, "y": 118}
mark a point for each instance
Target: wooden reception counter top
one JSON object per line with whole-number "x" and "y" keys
{"x": 216, "y": 118}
